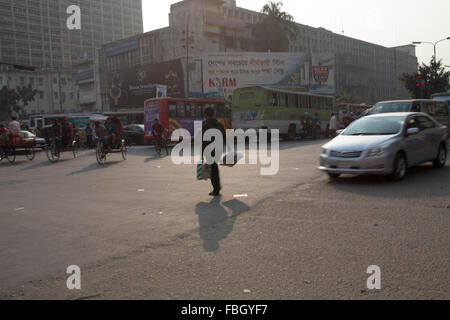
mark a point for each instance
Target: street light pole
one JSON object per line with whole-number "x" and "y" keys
{"x": 434, "y": 44}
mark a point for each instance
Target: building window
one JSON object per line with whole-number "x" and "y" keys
{"x": 41, "y": 81}
{"x": 55, "y": 81}
{"x": 1, "y": 81}
{"x": 22, "y": 81}
{"x": 41, "y": 95}
{"x": 56, "y": 95}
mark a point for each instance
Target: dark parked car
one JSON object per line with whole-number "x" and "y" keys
{"x": 40, "y": 142}
{"x": 134, "y": 134}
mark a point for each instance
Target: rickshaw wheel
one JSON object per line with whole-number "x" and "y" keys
{"x": 53, "y": 153}
{"x": 31, "y": 153}
{"x": 100, "y": 153}
{"x": 10, "y": 154}
{"x": 124, "y": 150}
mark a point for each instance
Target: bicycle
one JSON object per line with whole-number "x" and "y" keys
{"x": 161, "y": 145}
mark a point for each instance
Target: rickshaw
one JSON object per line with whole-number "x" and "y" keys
{"x": 104, "y": 148}
{"x": 17, "y": 147}
{"x": 54, "y": 152}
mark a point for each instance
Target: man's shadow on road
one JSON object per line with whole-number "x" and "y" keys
{"x": 214, "y": 222}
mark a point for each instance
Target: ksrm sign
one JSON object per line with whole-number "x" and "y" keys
{"x": 224, "y": 72}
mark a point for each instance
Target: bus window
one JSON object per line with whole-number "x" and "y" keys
{"x": 49, "y": 121}
{"x": 188, "y": 111}
{"x": 304, "y": 102}
{"x": 319, "y": 103}
{"x": 429, "y": 108}
{"x": 273, "y": 98}
{"x": 292, "y": 100}
{"x": 204, "y": 107}
{"x": 441, "y": 110}
{"x": 172, "y": 110}
{"x": 220, "y": 111}
{"x": 181, "y": 112}
{"x": 227, "y": 110}
{"x": 282, "y": 100}
{"x": 197, "y": 111}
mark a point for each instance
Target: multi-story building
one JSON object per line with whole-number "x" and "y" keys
{"x": 35, "y": 33}
{"x": 364, "y": 70}
{"x": 56, "y": 90}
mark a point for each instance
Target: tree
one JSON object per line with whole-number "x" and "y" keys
{"x": 430, "y": 79}
{"x": 346, "y": 98}
{"x": 275, "y": 30}
{"x": 13, "y": 100}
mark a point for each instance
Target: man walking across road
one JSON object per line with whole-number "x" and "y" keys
{"x": 333, "y": 125}
{"x": 212, "y": 123}
{"x": 89, "y": 133}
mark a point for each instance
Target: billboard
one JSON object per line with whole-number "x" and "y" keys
{"x": 121, "y": 47}
{"x": 224, "y": 72}
{"x": 129, "y": 88}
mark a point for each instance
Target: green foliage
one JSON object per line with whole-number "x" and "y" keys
{"x": 346, "y": 98}
{"x": 274, "y": 31}
{"x": 434, "y": 80}
{"x": 12, "y": 100}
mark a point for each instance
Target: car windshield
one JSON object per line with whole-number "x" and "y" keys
{"x": 386, "y": 107}
{"x": 375, "y": 126}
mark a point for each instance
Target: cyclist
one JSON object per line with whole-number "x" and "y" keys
{"x": 112, "y": 131}
{"x": 100, "y": 131}
{"x": 57, "y": 133}
{"x": 157, "y": 131}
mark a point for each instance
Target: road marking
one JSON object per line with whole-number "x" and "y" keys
{"x": 141, "y": 190}
{"x": 19, "y": 209}
{"x": 240, "y": 196}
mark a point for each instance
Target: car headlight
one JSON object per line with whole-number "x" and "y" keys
{"x": 376, "y": 152}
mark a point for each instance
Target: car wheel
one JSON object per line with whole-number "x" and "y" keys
{"x": 400, "y": 167}
{"x": 441, "y": 159}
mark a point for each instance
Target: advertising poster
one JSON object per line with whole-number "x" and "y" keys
{"x": 323, "y": 73}
{"x": 130, "y": 87}
{"x": 224, "y": 72}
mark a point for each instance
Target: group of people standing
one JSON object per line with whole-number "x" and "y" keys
{"x": 64, "y": 132}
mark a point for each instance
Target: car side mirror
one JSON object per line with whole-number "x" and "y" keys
{"x": 338, "y": 132}
{"x": 412, "y": 131}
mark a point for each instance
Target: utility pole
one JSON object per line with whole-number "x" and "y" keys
{"x": 188, "y": 40}
{"x": 59, "y": 89}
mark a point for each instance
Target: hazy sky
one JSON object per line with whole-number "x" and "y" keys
{"x": 384, "y": 22}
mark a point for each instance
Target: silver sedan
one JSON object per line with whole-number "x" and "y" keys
{"x": 386, "y": 144}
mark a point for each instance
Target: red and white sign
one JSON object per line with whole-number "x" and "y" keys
{"x": 320, "y": 73}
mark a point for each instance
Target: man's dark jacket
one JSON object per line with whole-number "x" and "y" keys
{"x": 211, "y": 124}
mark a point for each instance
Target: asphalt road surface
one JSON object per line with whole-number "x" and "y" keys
{"x": 144, "y": 228}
